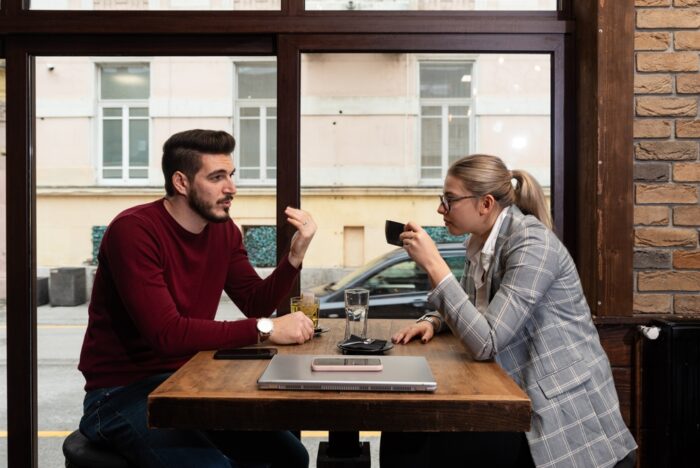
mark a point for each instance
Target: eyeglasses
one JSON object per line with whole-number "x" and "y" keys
{"x": 446, "y": 202}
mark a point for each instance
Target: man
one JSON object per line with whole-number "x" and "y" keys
{"x": 162, "y": 269}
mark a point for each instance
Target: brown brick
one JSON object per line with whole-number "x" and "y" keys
{"x": 686, "y": 215}
{"x": 687, "y": 259}
{"x": 687, "y": 304}
{"x": 686, "y": 3}
{"x": 687, "y": 40}
{"x": 688, "y": 128}
{"x": 652, "y": 40}
{"x": 652, "y": 3}
{"x": 666, "y": 150}
{"x": 686, "y": 172}
{"x": 667, "y": 18}
{"x": 667, "y": 62}
{"x": 651, "y": 215}
{"x": 652, "y": 128}
{"x": 688, "y": 84}
{"x": 665, "y": 237}
{"x": 652, "y": 303}
{"x": 666, "y": 193}
{"x": 668, "y": 281}
{"x": 651, "y": 171}
{"x": 666, "y": 107}
{"x": 652, "y": 84}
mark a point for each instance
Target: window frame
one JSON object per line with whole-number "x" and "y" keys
{"x": 126, "y": 105}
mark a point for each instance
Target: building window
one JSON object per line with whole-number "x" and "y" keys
{"x": 445, "y": 116}
{"x": 124, "y": 123}
{"x": 255, "y": 125}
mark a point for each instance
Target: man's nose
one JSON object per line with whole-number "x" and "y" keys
{"x": 230, "y": 187}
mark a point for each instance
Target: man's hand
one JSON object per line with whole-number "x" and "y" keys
{"x": 306, "y": 228}
{"x": 294, "y": 328}
{"x": 423, "y": 330}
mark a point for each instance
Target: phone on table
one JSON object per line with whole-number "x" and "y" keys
{"x": 392, "y": 231}
{"x": 245, "y": 353}
{"x": 346, "y": 364}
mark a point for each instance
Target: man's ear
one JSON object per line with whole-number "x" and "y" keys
{"x": 181, "y": 183}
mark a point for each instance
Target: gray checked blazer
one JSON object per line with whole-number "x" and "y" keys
{"x": 538, "y": 328}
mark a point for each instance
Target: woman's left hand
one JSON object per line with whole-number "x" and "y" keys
{"x": 306, "y": 228}
{"x": 421, "y": 248}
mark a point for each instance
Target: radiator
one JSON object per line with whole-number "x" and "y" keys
{"x": 671, "y": 395}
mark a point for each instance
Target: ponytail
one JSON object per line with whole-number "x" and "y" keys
{"x": 529, "y": 197}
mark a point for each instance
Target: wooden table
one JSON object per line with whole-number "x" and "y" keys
{"x": 222, "y": 394}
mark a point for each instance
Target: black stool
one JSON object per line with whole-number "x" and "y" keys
{"x": 81, "y": 453}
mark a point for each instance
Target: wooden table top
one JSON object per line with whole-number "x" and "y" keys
{"x": 222, "y": 394}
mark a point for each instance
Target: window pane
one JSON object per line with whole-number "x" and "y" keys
{"x": 163, "y": 5}
{"x": 138, "y": 143}
{"x": 431, "y": 136}
{"x": 458, "y": 134}
{"x": 135, "y": 173}
{"x": 464, "y": 5}
{"x": 125, "y": 81}
{"x": 250, "y": 143}
{"x": 112, "y": 143}
{"x": 112, "y": 173}
{"x": 112, "y": 112}
{"x": 138, "y": 112}
{"x": 271, "y": 143}
{"x": 250, "y": 112}
{"x": 257, "y": 80}
{"x": 445, "y": 80}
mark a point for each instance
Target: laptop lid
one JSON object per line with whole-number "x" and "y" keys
{"x": 399, "y": 374}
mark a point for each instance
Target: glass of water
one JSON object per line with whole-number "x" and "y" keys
{"x": 356, "y": 308}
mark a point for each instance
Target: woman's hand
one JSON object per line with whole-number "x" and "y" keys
{"x": 423, "y": 330}
{"x": 306, "y": 228}
{"x": 421, "y": 248}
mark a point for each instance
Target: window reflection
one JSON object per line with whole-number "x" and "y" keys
{"x": 426, "y": 5}
{"x": 241, "y": 5}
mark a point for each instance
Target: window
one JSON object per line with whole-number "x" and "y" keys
{"x": 124, "y": 123}
{"x": 255, "y": 126}
{"x": 445, "y": 116}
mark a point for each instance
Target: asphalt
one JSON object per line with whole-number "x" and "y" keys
{"x": 60, "y": 333}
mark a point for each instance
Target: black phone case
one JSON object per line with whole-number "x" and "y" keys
{"x": 242, "y": 354}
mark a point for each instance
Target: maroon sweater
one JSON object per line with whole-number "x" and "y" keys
{"x": 156, "y": 292}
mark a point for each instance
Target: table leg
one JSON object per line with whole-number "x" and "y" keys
{"x": 345, "y": 450}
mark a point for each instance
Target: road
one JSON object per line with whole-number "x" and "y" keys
{"x": 60, "y": 333}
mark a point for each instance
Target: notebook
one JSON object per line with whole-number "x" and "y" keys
{"x": 399, "y": 374}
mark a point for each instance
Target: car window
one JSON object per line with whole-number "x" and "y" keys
{"x": 456, "y": 265}
{"x": 402, "y": 277}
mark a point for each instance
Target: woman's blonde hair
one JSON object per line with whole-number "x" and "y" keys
{"x": 483, "y": 174}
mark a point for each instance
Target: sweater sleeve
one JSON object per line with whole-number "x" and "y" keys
{"x": 257, "y": 297}
{"x": 132, "y": 254}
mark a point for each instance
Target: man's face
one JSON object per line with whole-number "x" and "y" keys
{"x": 212, "y": 189}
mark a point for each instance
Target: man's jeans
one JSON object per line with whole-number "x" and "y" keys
{"x": 116, "y": 418}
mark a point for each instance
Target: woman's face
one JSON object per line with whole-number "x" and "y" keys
{"x": 463, "y": 215}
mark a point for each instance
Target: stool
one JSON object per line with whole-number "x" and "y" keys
{"x": 81, "y": 453}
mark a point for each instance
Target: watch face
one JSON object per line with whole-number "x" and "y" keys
{"x": 265, "y": 325}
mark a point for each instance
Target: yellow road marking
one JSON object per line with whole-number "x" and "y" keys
{"x": 303, "y": 433}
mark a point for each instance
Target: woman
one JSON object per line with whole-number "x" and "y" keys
{"x": 519, "y": 302}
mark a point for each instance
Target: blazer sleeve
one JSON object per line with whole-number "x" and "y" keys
{"x": 530, "y": 261}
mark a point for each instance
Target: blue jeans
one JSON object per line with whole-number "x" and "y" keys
{"x": 115, "y": 417}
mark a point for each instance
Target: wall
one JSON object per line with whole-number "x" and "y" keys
{"x": 667, "y": 166}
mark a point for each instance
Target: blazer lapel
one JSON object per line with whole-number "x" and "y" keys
{"x": 494, "y": 275}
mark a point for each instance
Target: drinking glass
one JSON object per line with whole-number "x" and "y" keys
{"x": 307, "y": 304}
{"x": 356, "y": 309}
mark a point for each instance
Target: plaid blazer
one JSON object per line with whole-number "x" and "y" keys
{"x": 538, "y": 328}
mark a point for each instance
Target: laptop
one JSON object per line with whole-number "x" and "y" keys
{"x": 399, "y": 374}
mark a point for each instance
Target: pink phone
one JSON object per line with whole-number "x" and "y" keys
{"x": 350, "y": 364}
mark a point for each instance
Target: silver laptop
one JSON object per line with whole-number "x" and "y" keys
{"x": 399, "y": 374}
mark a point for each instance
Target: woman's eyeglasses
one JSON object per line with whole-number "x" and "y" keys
{"x": 446, "y": 201}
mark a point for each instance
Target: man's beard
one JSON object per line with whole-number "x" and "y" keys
{"x": 206, "y": 210}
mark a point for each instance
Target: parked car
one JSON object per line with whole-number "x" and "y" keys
{"x": 398, "y": 287}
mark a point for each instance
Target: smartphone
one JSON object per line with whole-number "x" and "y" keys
{"x": 392, "y": 230}
{"x": 346, "y": 364}
{"x": 245, "y": 353}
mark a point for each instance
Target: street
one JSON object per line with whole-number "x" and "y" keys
{"x": 60, "y": 333}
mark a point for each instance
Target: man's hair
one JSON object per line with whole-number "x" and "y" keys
{"x": 183, "y": 152}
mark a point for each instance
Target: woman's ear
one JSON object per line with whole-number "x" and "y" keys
{"x": 181, "y": 183}
{"x": 486, "y": 204}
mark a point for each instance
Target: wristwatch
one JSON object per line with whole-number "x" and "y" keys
{"x": 265, "y": 327}
{"x": 434, "y": 321}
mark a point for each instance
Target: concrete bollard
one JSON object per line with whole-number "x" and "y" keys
{"x": 67, "y": 287}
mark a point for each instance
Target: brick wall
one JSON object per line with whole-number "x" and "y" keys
{"x": 667, "y": 163}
